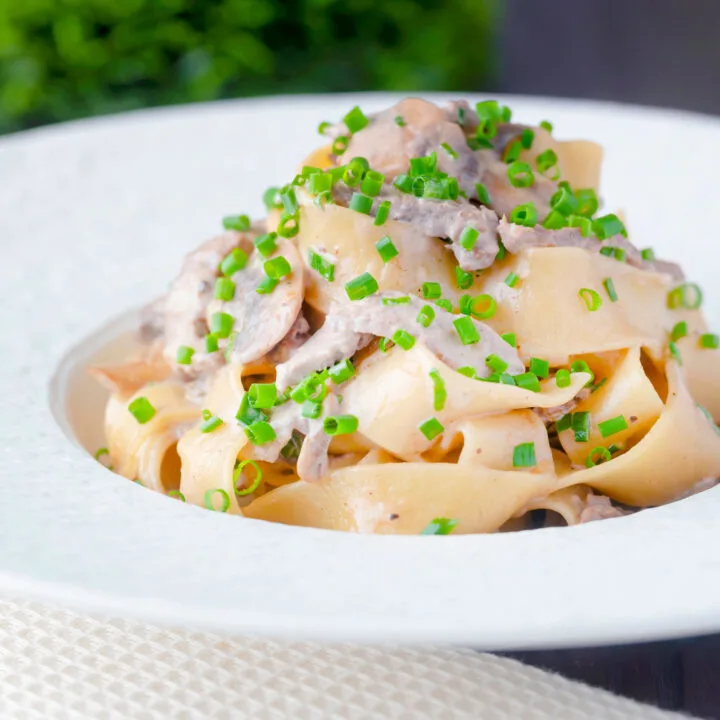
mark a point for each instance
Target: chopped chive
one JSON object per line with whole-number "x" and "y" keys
{"x": 319, "y": 183}
{"x": 524, "y": 455}
{"x": 483, "y": 307}
{"x": 266, "y": 286}
{"x": 277, "y": 268}
{"x": 612, "y": 426}
{"x": 211, "y": 343}
{"x": 340, "y": 424}
{"x": 520, "y": 174}
{"x": 464, "y": 303}
{"x": 356, "y": 120}
{"x": 680, "y": 330}
{"x": 142, "y": 410}
{"x": 564, "y": 423}
{"x": 404, "y": 339}
{"x": 233, "y": 262}
{"x": 425, "y": 316}
{"x": 526, "y": 215}
{"x": 597, "y": 456}
{"x": 496, "y": 363}
{"x": 583, "y": 224}
{"x": 247, "y": 414}
{"x": 221, "y": 324}
{"x": 546, "y": 125}
{"x": 562, "y": 378}
{"x": 361, "y": 287}
{"x": 592, "y": 300}
{"x": 526, "y": 138}
{"x": 463, "y": 279}
{"x": 431, "y": 428}
{"x": 439, "y": 391}
{"x": 546, "y": 160}
{"x": 580, "y": 424}
{"x": 528, "y": 381}
{"x": 266, "y": 244}
{"x": 564, "y": 202}
{"x": 241, "y": 223}
{"x": 341, "y": 372}
{"x": 355, "y": 171}
{"x": 209, "y": 501}
{"x": 385, "y": 344}
{"x": 237, "y": 474}
{"x": 399, "y": 121}
{"x": 444, "y": 303}
{"x": 511, "y": 280}
{"x": 598, "y": 385}
{"x": 311, "y": 409}
{"x": 431, "y": 290}
{"x": 210, "y": 424}
{"x": 647, "y": 254}
{"x": 271, "y": 198}
{"x": 468, "y": 237}
{"x": 449, "y": 150}
{"x": 176, "y": 494}
{"x": 540, "y": 367}
{"x": 466, "y": 330}
{"x": 289, "y": 199}
{"x": 322, "y": 127}
{"x": 482, "y": 194}
{"x": 372, "y": 183}
{"x": 610, "y": 289}
{"x": 361, "y": 203}
{"x": 262, "y": 395}
{"x": 288, "y": 226}
{"x": 382, "y": 213}
{"x": 709, "y": 341}
{"x": 607, "y": 226}
{"x": 588, "y": 203}
{"x": 512, "y": 151}
{"x": 468, "y": 371}
{"x": 687, "y": 295}
{"x": 322, "y": 266}
{"x": 440, "y": 526}
{"x": 675, "y": 353}
{"x": 340, "y": 144}
{"x": 386, "y": 249}
{"x": 402, "y": 300}
{"x": 224, "y": 289}
{"x": 510, "y": 339}
{"x": 555, "y": 220}
{"x": 184, "y": 355}
{"x": 260, "y": 432}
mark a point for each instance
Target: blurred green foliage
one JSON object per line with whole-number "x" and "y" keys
{"x": 62, "y": 59}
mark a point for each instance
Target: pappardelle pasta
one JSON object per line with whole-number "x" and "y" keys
{"x": 434, "y": 330}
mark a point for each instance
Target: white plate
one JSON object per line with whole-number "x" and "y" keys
{"x": 94, "y": 219}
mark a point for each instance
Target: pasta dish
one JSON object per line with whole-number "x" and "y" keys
{"x": 435, "y": 329}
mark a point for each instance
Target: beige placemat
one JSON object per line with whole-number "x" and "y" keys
{"x": 57, "y": 664}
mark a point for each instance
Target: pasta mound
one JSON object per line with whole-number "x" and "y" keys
{"x": 435, "y": 329}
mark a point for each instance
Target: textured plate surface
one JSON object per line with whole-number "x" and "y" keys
{"x": 94, "y": 219}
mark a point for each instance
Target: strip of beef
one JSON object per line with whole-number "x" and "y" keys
{"x": 348, "y": 326}
{"x": 443, "y": 219}
{"x": 517, "y": 238}
{"x": 261, "y": 320}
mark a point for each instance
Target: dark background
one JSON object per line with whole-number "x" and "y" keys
{"x": 64, "y": 59}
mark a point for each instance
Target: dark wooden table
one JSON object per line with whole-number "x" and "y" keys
{"x": 681, "y": 675}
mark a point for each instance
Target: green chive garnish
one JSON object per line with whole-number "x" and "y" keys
{"x": 680, "y": 330}
{"x": 340, "y": 424}
{"x": 210, "y": 424}
{"x": 221, "y": 324}
{"x": 592, "y": 300}
{"x": 382, "y": 213}
{"x": 482, "y": 194}
{"x": 233, "y": 262}
{"x": 612, "y": 426}
{"x": 709, "y": 341}
{"x": 520, "y": 174}
{"x": 361, "y": 287}
{"x": 404, "y": 339}
{"x": 466, "y": 331}
{"x": 463, "y": 279}
{"x": 142, "y": 410}
{"x": 510, "y": 339}
{"x": 496, "y": 363}
{"x": 528, "y": 381}
{"x": 687, "y": 295}
{"x": 607, "y": 226}
{"x": 431, "y": 428}
{"x": 184, "y": 355}
{"x": 524, "y": 455}
{"x": 440, "y": 526}
{"x": 288, "y": 226}
{"x": 266, "y": 286}
{"x": 597, "y": 456}
{"x": 241, "y": 223}
{"x": 483, "y": 307}
{"x": 526, "y": 215}
{"x": 468, "y": 237}
{"x": 431, "y": 290}
{"x": 266, "y": 244}
{"x": 262, "y": 395}
{"x": 610, "y": 289}
{"x": 425, "y": 316}
{"x": 386, "y": 249}
{"x": 580, "y": 424}
{"x": 562, "y": 378}
{"x": 355, "y": 120}
{"x": 209, "y": 500}
{"x": 449, "y": 150}
{"x": 439, "y": 391}
{"x": 541, "y": 368}
{"x": 511, "y": 280}
{"x": 260, "y": 432}
{"x": 321, "y": 265}
{"x": 224, "y": 289}
{"x": 341, "y": 372}
{"x": 399, "y": 121}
